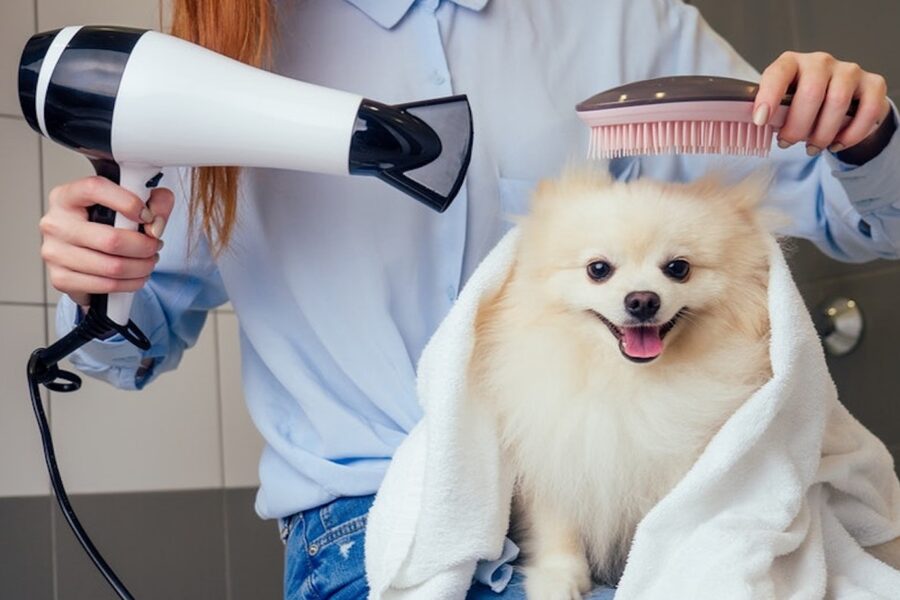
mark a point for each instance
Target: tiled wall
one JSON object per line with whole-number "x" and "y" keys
{"x": 163, "y": 479}
{"x": 868, "y": 379}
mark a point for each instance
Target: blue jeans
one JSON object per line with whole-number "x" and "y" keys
{"x": 324, "y": 556}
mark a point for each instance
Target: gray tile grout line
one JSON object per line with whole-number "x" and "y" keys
{"x": 226, "y": 532}
{"x": 12, "y": 117}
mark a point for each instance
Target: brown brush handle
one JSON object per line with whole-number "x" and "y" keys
{"x": 684, "y": 88}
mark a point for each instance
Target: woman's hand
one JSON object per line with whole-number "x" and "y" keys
{"x": 825, "y": 88}
{"x": 86, "y": 258}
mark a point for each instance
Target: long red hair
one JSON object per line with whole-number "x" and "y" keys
{"x": 240, "y": 29}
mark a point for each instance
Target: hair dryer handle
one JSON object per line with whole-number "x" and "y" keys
{"x": 140, "y": 181}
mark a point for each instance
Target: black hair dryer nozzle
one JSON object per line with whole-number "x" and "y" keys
{"x": 420, "y": 148}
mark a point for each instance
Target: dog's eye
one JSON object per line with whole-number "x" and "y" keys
{"x": 599, "y": 270}
{"x": 678, "y": 269}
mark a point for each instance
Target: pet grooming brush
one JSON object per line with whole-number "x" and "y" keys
{"x": 684, "y": 115}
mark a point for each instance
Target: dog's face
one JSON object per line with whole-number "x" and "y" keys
{"x": 644, "y": 262}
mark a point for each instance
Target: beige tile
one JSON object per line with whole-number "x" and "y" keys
{"x": 241, "y": 441}
{"x": 133, "y": 13}
{"x": 16, "y": 26}
{"x": 22, "y": 471}
{"x": 20, "y": 242}
{"x": 165, "y": 437}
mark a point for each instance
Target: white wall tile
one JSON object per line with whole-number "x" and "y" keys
{"x": 22, "y": 471}
{"x": 133, "y": 13}
{"x": 165, "y": 437}
{"x": 16, "y": 26}
{"x": 241, "y": 441}
{"x": 21, "y": 273}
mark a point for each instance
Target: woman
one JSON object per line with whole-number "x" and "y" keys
{"x": 339, "y": 282}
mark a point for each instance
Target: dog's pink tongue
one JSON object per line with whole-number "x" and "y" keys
{"x": 641, "y": 342}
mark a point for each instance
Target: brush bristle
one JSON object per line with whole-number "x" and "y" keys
{"x": 680, "y": 137}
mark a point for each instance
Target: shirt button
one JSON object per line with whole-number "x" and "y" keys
{"x": 438, "y": 79}
{"x": 313, "y": 549}
{"x": 451, "y": 292}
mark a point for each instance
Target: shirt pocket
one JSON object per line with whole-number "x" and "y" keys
{"x": 515, "y": 196}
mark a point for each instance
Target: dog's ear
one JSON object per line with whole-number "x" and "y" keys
{"x": 585, "y": 177}
{"x": 744, "y": 195}
{"x": 750, "y": 192}
{"x": 574, "y": 181}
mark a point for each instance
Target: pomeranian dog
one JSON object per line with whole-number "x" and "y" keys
{"x": 632, "y": 325}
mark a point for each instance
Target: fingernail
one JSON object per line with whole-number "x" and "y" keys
{"x": 761, "y": 115}
{"x": 812, "y": 150}
{"x": 161, "y": 243}
{"x": 157, "y": 226}
{"x": 146, "y": 215}
{"x": 836, "y": 147}
{"x": 156, "y": 257}
{"x": 783, "y": 144}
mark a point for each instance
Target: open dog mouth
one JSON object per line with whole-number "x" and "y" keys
{"x": 643, "y": 342}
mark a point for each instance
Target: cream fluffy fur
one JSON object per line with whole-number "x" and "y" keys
{"x": 595, "y": 438}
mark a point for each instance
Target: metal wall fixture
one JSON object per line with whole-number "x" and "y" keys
{"x": 840, "y": 324}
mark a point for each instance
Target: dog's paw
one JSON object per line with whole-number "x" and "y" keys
{"x": 558, "y": 578}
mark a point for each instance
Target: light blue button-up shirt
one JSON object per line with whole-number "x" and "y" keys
{"x": 339, "y": 282}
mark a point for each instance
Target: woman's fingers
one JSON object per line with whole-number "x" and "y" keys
{"x": 80, "y": 194}
{"x": 873, "y": 109}
{"x": 812, "y": 83}
{"x": 79, "y": 285}
{"x": 160, "y": 206}
{"x": 99, "y": 237}
{"x": 91, "y": 262}
{"x": 833, "y": 115}
{"x": 773, "y": 85}
{"x": 824, "y": 90}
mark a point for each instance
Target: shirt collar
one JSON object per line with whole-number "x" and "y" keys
{"x": 388, "y": 13}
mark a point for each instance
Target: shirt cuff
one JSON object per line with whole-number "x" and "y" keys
{"x": 114, "y": 359}
{"x": 875, "y": 184}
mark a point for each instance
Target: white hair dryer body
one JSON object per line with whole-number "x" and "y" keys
{"x": 134, "y": 101}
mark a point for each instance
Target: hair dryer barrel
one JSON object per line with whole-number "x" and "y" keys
{"x": 134, "y": 101}
{"x": 145, "y": 98}
{"x": 212, "y": 110}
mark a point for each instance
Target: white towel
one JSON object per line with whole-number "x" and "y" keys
{"x": 779, "y": 504}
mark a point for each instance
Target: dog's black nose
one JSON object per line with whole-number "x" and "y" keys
{"x": 642, "y": 305}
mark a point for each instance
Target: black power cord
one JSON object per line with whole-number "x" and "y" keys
{"x": 43, "y": 370}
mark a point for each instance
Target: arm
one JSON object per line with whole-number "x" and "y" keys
{"x": 850, "y": 212}
{"x": 171, "y": 309}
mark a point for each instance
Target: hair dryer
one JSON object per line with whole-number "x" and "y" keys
{"x": 134, "y": 101}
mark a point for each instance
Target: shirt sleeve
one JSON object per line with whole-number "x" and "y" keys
{"x": 851, "y": 213}
{"x": 171, "y": 309}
